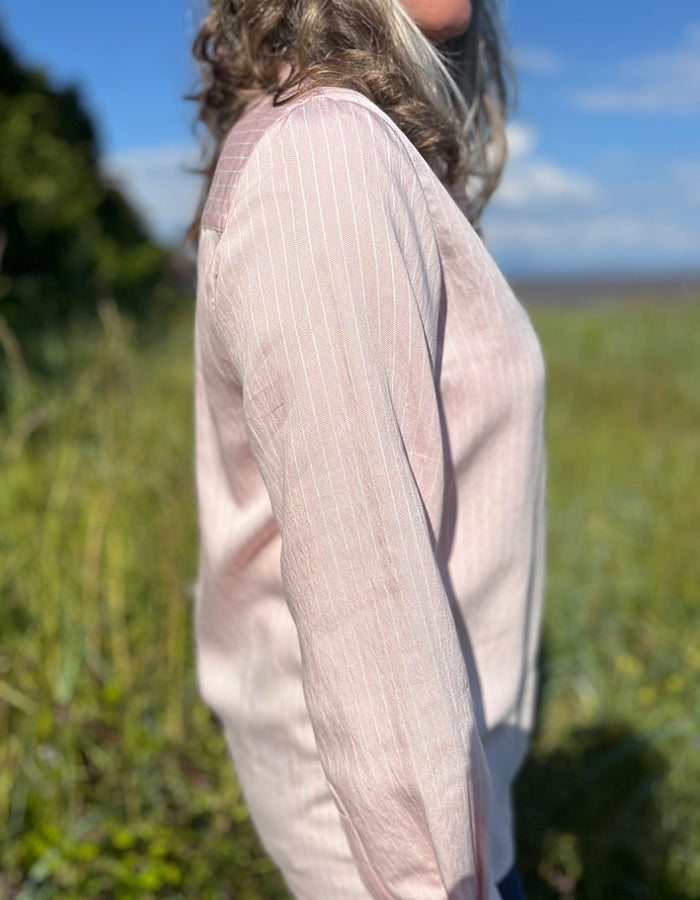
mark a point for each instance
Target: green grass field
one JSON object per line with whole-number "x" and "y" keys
{"x": 114, "y": 780}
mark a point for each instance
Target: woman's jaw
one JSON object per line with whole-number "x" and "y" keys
{"x": 440, "y": 19}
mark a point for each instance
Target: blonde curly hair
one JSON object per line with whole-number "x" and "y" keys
{"x": 450, "y": 100}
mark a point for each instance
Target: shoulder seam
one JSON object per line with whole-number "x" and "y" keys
{"x": 321, "y": 92}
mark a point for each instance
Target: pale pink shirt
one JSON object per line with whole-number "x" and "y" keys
{"x": 371, "y": 484}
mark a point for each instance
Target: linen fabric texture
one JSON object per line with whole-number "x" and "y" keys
{"x": 371, "y": 486}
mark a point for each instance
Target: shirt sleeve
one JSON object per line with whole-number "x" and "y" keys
{"x": 329, "y": 283}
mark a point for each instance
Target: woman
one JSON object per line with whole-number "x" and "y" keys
{"x": 370, "y": 464}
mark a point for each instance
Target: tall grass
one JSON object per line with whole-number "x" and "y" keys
{"x": 610, "y": 801}
{"x": 114, "y": 780}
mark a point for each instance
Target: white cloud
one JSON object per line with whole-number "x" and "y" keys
{"x": 522, "y": 139}
{"x": 686, "y": 177}
{"x": 664, "y": 82}
{"x": 544, "y": 217}
{"x": 590, "y": 236}
{"x": 538, "y": 182}
{"x": 537, "y": 60}
{"x": 157, "y": 182}
{"x": 609, "y": 235}
{"x": 532, "y": 182}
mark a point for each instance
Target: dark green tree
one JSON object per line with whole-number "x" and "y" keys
{"x": 67, "y": 239}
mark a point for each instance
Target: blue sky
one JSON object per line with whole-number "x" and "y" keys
{"x": 604, "y": 170}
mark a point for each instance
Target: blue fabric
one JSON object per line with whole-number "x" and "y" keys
{"x": 511, "y": 887}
